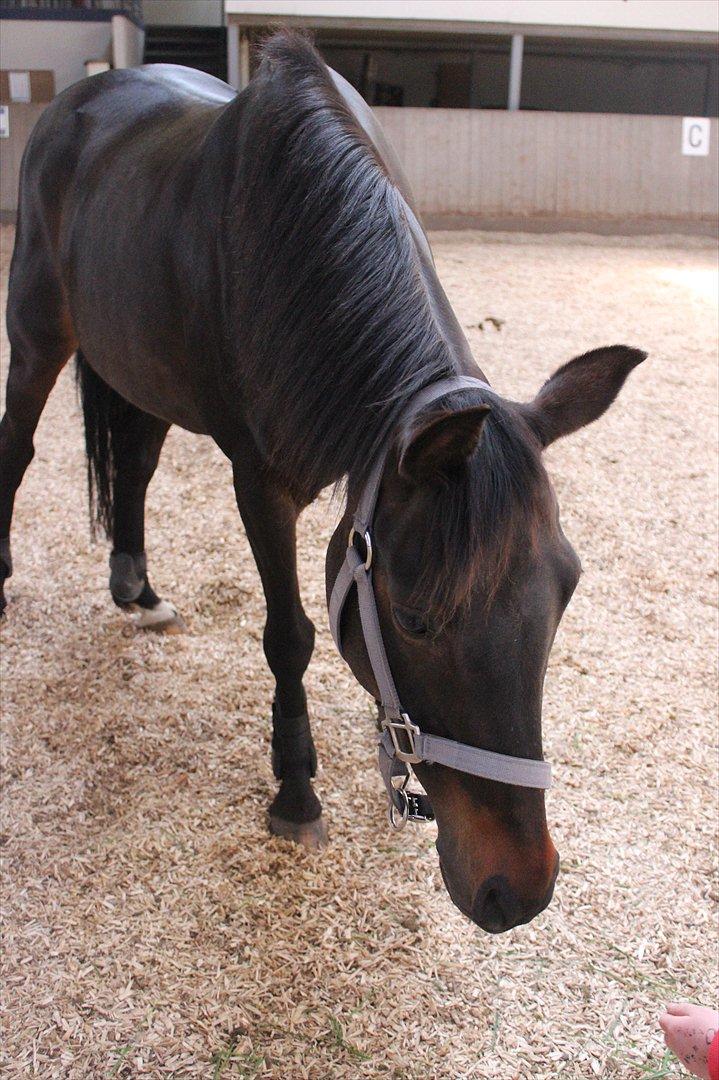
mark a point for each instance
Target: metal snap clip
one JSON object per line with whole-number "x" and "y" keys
{"x": 398, "y": 818}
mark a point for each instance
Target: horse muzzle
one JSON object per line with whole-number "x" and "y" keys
{"x": 502, "y": 900}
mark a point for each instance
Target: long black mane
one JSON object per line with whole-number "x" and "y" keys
{"x": 336, "y": 320}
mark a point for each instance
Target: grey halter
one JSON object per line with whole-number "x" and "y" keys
{"x": 401, "y": 743}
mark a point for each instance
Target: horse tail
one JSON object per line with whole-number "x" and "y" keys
{"x": 105, "y": 413}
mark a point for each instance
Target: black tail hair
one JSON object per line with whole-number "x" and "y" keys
{"x": 105, "y": 414}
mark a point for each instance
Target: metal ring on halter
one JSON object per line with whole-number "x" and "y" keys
{"x": 368, "y": 545}
{"x": 399, "y": 822}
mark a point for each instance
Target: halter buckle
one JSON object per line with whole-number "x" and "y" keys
{"x": 403, "y": 728}
{"x": 418, "y": 807}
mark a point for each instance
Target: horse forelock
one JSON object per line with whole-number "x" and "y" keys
{"x": 479, "y": 523}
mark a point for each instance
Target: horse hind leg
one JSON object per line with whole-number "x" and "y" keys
{"x": 42, "y": 340}
{"x": 123, "y": 446}
{"x": 32, "y": 375}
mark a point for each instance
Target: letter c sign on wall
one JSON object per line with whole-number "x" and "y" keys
{"x": 695, "y": 135}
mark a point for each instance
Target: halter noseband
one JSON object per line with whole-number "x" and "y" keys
{"x": 401, "y": 743}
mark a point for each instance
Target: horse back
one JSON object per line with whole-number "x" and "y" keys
{"x": 109, "y": 207}
{"x": 127, "y": 192}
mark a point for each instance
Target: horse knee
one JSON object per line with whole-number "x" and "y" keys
{"x": 289, "y": 644}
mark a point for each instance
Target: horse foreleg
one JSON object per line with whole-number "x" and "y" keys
{"x": 270, "y": 516}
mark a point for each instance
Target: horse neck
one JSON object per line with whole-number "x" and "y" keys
{"x": 448, "y": 322}
{"x": 326, "y": 386}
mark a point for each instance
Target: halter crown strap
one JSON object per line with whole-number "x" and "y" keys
{"x": 364, "y": 511}
{"x": 401, "y": 743}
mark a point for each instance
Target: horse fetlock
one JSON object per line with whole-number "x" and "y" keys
{"x": 131, "y": 591}
{"x": 128, "y": 576}
{"x": 296, "y": 812}
{"x": 293, "y": 751}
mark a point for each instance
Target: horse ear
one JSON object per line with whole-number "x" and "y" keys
{"x": 580, "y": 391}
{"x": 440, "y": 448}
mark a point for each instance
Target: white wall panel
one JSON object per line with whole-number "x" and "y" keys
{"x": 483, "y": 162}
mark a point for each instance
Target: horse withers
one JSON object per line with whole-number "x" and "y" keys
{"x": 250, "y": 267}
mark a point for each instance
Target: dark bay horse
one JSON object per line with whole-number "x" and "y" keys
{"x": 250, "y": 267}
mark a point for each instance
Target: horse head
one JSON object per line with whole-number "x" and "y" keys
{"x": 471, "y": 575}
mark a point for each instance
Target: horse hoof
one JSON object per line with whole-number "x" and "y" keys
{"x": 162, "y": 617}
{"x": 310, "y": 834}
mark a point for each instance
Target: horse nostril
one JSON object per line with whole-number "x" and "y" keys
{"x": 493, "y": 917}
{"x": 496, "y": 908}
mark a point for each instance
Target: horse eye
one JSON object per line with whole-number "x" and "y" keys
{"x": 410, "y": 621}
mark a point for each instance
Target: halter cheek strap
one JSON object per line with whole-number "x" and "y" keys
{"x": 401, "y": 743}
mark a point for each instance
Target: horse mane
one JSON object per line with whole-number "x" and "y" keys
{"x": 331, "y": 313}
{"x": 333, "y": 319}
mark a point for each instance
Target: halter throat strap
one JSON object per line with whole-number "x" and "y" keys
{"x": 402, "y": 743}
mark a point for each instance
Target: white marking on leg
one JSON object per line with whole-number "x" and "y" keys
{"x": 162, "y": 612}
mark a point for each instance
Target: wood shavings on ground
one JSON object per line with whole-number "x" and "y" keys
{"x": 152, "y": 928}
